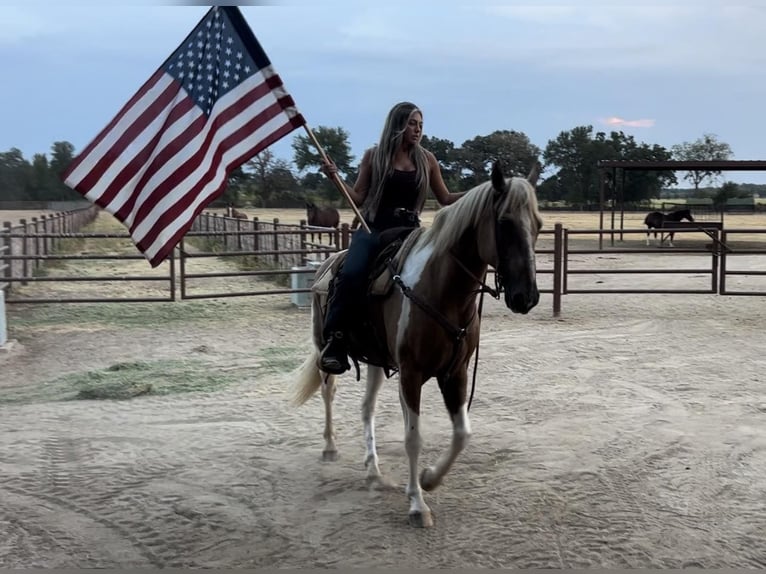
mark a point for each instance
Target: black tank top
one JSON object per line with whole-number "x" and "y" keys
{"x": 399, "y": 191}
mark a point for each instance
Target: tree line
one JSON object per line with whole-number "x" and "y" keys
{"x": 570, "y": 172}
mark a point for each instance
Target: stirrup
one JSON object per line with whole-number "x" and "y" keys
{"x": 331, "y": 360}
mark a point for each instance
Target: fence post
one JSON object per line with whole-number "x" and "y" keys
{"x": 256, "y": 240}
{"x": 172, "y": 263}
{"x": 722, "y": 270}
{"x": 714, "y": 249}
{"x": 37, "y": 261}
{"x": 8, "y": 273}
{"x": 24, "y": 250}
{"x": 44, "y": 219}
{"x": 558, "y": 258}
{"x": 345, "y": 236}
{"x": 304, "y": 247}
{"x": 276, "y": 242}
{"x": 565, "y": 264}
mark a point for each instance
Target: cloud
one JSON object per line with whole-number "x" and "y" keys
{"x": 615, "y": 121}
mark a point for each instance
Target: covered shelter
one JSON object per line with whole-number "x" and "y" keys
{"x": 609, "y": 170}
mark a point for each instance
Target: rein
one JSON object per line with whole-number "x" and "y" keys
{"x": 483, "y": 289}
{"x": 458, "y": 333}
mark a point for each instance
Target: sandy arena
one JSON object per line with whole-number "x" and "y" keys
{"x": 628, "y": 432}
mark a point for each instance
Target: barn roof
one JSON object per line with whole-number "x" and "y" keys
{"x": 677, "y": 165}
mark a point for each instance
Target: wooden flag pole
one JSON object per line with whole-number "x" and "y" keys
{"x": 336, "y": 180}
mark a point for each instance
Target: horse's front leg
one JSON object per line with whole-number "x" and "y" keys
{"x": 374, "y": 382}
{"x": 454, "y": 394}
{"x": 330, "y": 452}
{"x": 409, "y": 396}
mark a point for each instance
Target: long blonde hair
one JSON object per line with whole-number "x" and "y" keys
{"x": 383, "y": 158}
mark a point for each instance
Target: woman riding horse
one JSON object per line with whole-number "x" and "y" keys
{"x": 394, "y": 178}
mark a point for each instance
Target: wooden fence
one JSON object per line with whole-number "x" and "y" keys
{"x": 24, "y": 246}
{"x": 292, "y": 250}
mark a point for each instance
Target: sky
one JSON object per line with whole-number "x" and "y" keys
{"x": 663, "y": 72}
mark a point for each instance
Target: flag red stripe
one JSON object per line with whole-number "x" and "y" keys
{"x": 148, "y": 85}
{"x": 139, "y": 163}
{"x": 193, "y": 162}
{"x": 185, "y": 200}
{"x": 165, "y": 250}
{"x": 150, "y": 114}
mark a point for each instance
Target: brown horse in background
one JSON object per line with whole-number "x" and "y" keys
{"x": 318, "y": 216}
{"x": 420, "y": 317}
{"x": 236, "y": 213}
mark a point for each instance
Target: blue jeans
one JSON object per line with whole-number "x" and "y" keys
{"x": 348, "y": 290}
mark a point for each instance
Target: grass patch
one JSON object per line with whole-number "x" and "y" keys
{"x": 123, "y": 381}
{"x": 128, "y": 315}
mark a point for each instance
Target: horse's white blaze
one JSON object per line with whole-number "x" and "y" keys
{"x": 410, "y": 274}
{"x": 531, "y": 252}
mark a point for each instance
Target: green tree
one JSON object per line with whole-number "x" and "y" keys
{"x": 513, "y": 149}
{"x": 62, "y": 154}
{"x": 42, "y": 184}
{"x": 448, "y": 157}
{"x": 576, "y": 154}
{"x": 334, "y": 141}
{"x": 15, "y": 175}
{"x": 705, "y": 148}
{"x": 235, "y": 192}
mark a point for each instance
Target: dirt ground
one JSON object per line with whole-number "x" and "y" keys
{"x": 627, "y": 432}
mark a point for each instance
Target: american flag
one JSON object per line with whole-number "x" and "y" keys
{"x": 214, "y": 104}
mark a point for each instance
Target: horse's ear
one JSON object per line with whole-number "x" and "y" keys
{"x": 498, "y": 181}
{"x": 309, "y": 204}
{"x": 534, "y": 174}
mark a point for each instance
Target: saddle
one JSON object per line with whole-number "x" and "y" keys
{"x": 366, "y": 341}
{"x": 396, "y": 242}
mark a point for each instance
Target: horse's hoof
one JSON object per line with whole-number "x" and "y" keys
{"x": 421, "y": 519}
{"x": 329, "y": 455}
{"x": 427, "y": 483}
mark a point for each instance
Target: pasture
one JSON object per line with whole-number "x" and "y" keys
{"x": 628, "y": 432}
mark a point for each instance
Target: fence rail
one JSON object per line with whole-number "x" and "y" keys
{"x": 284, "y": 253}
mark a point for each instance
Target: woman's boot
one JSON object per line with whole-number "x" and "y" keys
{"x": 334, "y": 356}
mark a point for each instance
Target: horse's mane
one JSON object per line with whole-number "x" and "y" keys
{"x": 475, "y": 207}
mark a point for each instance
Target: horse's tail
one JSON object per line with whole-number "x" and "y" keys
{"x": 308, "y": 378}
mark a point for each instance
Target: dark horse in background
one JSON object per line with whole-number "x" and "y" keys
{"x": 232, "y": 211}
{"x": 318, "y": 216}
{"x": 657, "y": 220}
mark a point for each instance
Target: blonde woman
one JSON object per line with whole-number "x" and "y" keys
{"x": 393, "y": 182}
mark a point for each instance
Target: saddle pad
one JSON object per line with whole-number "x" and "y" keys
{"x": 324, "y": 275}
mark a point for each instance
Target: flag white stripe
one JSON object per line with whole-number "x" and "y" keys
{"x": 172, "y": 132}
{"x": 130, "y": 116}
{"x": 127, "y": 155}
{"x": 194, "y": 144}
{"x": 233, "y": 153}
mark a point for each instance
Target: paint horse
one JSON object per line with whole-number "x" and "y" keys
{"x": 318, "y": 216}
{"x": 420, "y": 317}
{"x": 657, "y": 220}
